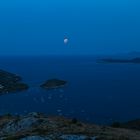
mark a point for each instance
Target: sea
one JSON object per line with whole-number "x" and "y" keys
{"x": 95, "y": 92}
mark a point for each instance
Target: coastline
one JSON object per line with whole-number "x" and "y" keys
{"x": 37, "y": 126}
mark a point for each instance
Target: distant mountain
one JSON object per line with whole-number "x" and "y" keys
{"x": 112, "y": 60}
{"x": 129, "y": 55}
{"x": 134, "y": 54}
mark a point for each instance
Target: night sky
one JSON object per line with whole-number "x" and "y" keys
{"x": 38, "y": 27}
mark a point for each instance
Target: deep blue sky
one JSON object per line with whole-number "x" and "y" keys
{"x": 38, "y": 27}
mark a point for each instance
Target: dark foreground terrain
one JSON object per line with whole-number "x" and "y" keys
{"x": 36, "y": 126}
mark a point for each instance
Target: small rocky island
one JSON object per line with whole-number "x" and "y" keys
{"x": 53, "y": 83}
{"x": 10, "y": 82}
{"x": 111, "y": 60}
{"x": 37, "y": 126}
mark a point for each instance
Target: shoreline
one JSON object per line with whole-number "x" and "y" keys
{"x": 37, "y": 125}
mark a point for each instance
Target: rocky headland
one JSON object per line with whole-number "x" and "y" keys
{"x": 10, "y": 82}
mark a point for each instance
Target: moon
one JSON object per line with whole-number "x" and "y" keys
{"x": 66, "y": 40}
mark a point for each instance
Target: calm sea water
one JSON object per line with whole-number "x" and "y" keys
{"x": 95, "y": 92}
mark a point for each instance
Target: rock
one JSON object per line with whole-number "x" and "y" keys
{"x": 134, "y": 124}
{"x": 23, "y": 123}
{"x": 63, "y": 137}
{"x": 36, "y": 126}
{"x": 35, "y": 138}
{"x": 76, "y": 137}
{"x": 53, "y": 83}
